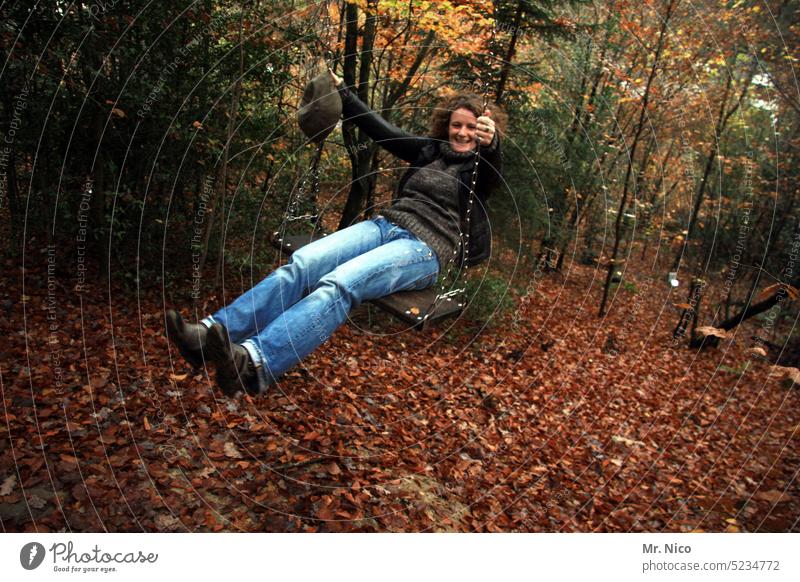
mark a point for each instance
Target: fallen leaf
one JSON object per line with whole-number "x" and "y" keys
{"x": 167, "y": 522}
{"x": 98, "y": 382}
{"x": 8, "y": 485}
{"x": 205, "y": 472}
{"x": 325, "y": 513}
{"x": 767, "y": 293}
{"x": 179, "y": 377}
{"x": 774, "y": 496}
{"x": 785, "y": 373}
{"x": 774, "y": 289}
{"x": 36, "y": 502}
{"x": 707, "y": 330}
{"x": 231, "y": 451}
{"x": 626, "y": 441}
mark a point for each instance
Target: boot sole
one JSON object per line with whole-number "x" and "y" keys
{"x": 219, "y": 352}
{"x": 217, "y": 349}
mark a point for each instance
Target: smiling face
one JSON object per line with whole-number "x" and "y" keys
{"x": 461, "y": 130}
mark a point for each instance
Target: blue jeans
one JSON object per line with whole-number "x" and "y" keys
{"x": 279, "y": 324}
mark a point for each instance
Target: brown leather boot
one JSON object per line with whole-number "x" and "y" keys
{"x": 190, "y": 338}
{"x": 235, "y": 369}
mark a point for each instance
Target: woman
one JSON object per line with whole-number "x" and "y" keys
{"x": 273, "y": 326}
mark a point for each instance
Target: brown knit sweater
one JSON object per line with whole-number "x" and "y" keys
{"x": 428, "y": 205}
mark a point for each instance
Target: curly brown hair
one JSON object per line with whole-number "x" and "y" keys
{"x": 440, "y": 120}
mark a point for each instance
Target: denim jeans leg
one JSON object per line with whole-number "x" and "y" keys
{"x": 404, "y": 263}
{"x": 261, "y": 305}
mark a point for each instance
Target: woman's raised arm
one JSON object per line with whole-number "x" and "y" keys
{"x": 400, "y": 143}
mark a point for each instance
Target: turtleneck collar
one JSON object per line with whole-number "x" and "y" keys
{"x": 450, "y": 156}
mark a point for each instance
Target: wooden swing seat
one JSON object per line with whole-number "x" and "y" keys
{"x": 410, "y": 307}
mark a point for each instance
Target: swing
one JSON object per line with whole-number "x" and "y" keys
{"x": 414, "y": 308}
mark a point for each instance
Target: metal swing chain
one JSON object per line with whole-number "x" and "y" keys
{"x": 301, "y": 191}
{"x": 294, "y": 201}
{"x": 465, "y": 236}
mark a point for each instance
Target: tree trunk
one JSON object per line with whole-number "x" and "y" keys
{"x": 640, "y": 126}
{"x": 98, "y": 176}
{"x": 760, "y": 307}
{"x": 512, "y": 45}
{"x": 369, "y": 209}
{"x": 222, "y": 182}
{"x": 753, "y": 310}
{"x": 357, "y": 142}
{"x": 13, "y": 200}
{"x": 695, "y": 297}
{"x": 722, "y": 122}
{"x": 362, "y": 158}
{"x": 654, "y": 197}
{"x": 577, "y": 124}
{"x": 704, "y": 180}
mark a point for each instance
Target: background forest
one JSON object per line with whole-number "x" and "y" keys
{"x": 614, "y": 369}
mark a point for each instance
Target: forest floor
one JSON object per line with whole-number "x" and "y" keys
{"x": 548, "y": 419}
